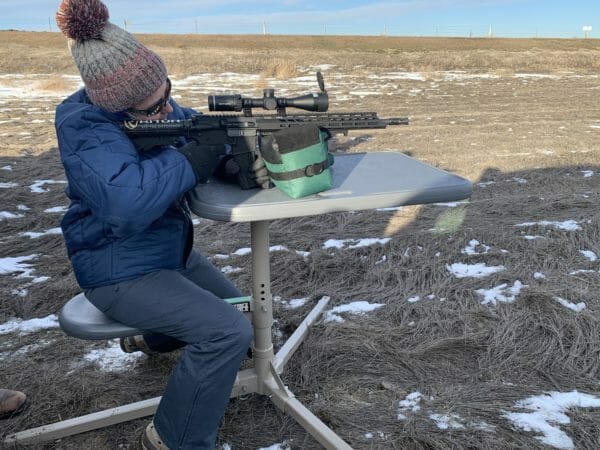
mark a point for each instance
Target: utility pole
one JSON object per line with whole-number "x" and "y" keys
{"x": 586, "y": 31}
{"x": 385, "y": 29}
{"x": 264, "y": 27}
{"x": 196, "y": 25}
{"x": 49, "y": 24}
{"x": 490, "y": 34}
{"x": 125, "y": 23}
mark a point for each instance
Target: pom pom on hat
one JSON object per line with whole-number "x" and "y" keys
{"x": 118, "y": 71}
{"x": 82, "y": 19}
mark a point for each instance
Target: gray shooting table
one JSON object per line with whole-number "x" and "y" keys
{"x": 361, "y": 181}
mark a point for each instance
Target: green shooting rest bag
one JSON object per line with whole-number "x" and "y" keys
{"x": 298, "y": 160}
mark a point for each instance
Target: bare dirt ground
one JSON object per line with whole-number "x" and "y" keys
{"x": 520, "y": 119}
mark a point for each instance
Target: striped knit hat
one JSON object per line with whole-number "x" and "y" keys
{"x": 118, "y": 71}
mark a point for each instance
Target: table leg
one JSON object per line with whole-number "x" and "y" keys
{"x": 85, "y": 423}
{"x": 262, "y": 316}
{"x": 268, "y": 366}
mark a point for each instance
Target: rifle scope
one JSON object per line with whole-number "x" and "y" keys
{"x": 318, "y": 102}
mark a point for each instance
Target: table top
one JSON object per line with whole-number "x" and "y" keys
{"x": 360, "y": 181}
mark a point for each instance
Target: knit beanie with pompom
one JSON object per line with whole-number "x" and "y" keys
{"x": 118, "y": 71}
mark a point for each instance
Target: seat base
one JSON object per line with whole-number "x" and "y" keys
{"x": 81, "y": 319}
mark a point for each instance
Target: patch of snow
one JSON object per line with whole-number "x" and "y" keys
{"x": 410, "y": 404}
{"x": 56, "y": 209}
{"x": 364, "y": 93}
{"x": 479, "y": 270}
{"x": 547, "y": 412}
{"x": 231, "y": 269}
{"x": 577, "y": 307}
{"x": 471, "y": 248}
{"x": 354, "y": 243}
{"x": 26, "y": 349}
{"x": 36, "y": 235}
{"x": 501, "y": 293}
{"x": 282, "y": 446}
{"x": 112, "y": 358}
{"x": 567, "y": 225}
{"x": 578, "y": 271}
{"x": 357, "y": 308}
{"x": 297, "y": 303}
{"x": 397, "y": 208}
{"x": 9, "y": 215}
{"x": 18, "y": 264}
{"x": 20, "y": 292}
{"x": 446, "y": 421}
{"x": 22, "y": 327}
{"x": 589, "y": 255}
{"x": 536, "y": 75}
{"x": 38, "y": 185}
{"x": 452, "y": 204}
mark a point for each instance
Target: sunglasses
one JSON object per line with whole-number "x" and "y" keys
{"x": 156, "y": 107}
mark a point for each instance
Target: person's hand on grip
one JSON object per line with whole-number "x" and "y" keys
{"x": 203, "y": 158}
{"x": 260, "y": 173}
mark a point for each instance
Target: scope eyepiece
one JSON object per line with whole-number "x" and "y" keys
{"x": 225, "y": 102}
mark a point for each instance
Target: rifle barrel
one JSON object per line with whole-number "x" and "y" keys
{"x": 398, "y": 120}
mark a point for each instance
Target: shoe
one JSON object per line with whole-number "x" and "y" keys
{"x": 11, "y": 403}
{"x": 151, "y": 440}
{"x": 132, "y": 344}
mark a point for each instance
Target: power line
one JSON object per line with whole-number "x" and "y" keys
{"x": 250, "y": 27}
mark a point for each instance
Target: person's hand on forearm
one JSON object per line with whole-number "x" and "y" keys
{"x": 229, "y": 171}
{"x": 260, "y": 173}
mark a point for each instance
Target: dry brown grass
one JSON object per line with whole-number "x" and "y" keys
{"x": 282, "y": 70}
{"x": 281, "y": 56}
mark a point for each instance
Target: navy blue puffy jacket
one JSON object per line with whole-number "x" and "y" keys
{"x": 127, "y": 215}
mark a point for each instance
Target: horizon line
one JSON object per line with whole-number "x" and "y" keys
{"x": 331, "y": 35}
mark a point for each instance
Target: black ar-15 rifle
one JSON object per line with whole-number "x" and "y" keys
{"x": 242, "y": 133}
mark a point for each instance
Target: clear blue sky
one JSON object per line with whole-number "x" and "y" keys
{"x": 518, "y": 18}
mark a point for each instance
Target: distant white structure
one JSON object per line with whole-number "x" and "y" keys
{"x": 490, "y": 33}
{"x": 586, "y": 31}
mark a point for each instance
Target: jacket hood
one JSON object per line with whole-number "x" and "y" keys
{"x": 80, "y": 102}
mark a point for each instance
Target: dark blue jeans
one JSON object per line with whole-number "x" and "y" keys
{"x": 186, "y": 309}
